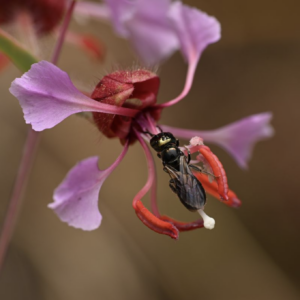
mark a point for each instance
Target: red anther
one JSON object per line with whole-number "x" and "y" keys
{"x": 155, "y": 223}
{"x": 212, "y": 188}
{"x": 218, "y": 171}
{"x": 182, "y": 226}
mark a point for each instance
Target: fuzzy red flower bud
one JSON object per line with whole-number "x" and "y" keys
{"x": 132, "y": 89}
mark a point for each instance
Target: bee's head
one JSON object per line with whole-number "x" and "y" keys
{"x": 163, "y": 140}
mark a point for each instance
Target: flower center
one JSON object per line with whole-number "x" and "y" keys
{"x": 131, "y": 89}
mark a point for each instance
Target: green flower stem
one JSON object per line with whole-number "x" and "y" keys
{"x": 20, "y": 57}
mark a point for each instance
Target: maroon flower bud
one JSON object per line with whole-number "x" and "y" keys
{"x": 45, "y": 14}
{"x": 132, "y": 89}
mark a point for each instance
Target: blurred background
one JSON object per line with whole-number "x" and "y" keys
{"x": 253, "y": 253}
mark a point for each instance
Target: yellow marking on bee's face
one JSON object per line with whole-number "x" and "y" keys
{"x": 163, "y": 142}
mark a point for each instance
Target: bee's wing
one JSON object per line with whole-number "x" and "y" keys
{"x": 189, "y": 190}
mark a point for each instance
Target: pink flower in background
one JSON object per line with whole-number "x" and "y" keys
{"x": 124, "y": 105}
{"x": 156, "y": 29}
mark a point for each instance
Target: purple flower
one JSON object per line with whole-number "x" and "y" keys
{"x": 123, "y": 105}
{"x": 157, "y": 28}
{"x": 47, "y": 97}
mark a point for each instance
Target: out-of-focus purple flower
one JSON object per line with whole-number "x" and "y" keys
{"x": 144, "y": 23}
{"x": 157, "y": 28}
{"x": 150, "y": 31}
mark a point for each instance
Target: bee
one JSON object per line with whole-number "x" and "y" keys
{"x": 183, "y": 183}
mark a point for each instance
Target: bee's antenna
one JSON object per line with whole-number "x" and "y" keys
{"x": 142, "y": 131}
{"x": 159, "y": 128}
{"x": 151, "y": 134}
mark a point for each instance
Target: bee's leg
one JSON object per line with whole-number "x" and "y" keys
{"x": 182, "y": 226}
{"x": 154, "y": 223}
{"x": 189, "y": 156}
{"x": 159, "y": 128}
{"x": 172, "y": 185}
{"x": 151, "y": 134}
{"x": 165, "y": 170}
{"x": 218, "y": 171}
{"x": 208, "y": 222}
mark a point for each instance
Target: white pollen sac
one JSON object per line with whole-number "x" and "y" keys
{"x": 209, "y": 223}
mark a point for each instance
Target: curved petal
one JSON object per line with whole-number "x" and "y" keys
{"x": 237, "y": 138}
{"x": 195, "y": 29}
{"x": 76, "y": 198}
{"x": 47, "y": 96}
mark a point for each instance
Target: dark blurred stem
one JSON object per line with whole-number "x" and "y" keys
{"x": 28, "y": 157}
{"x": 62, "y": 34}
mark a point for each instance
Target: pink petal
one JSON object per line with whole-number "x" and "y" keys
{"x": 48, "y": 96}
{"x": 76, "y": 198}
{"x": 195, "y": 29}
{"x": 150, "y": 31}
{"x": 237, "y": 138}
